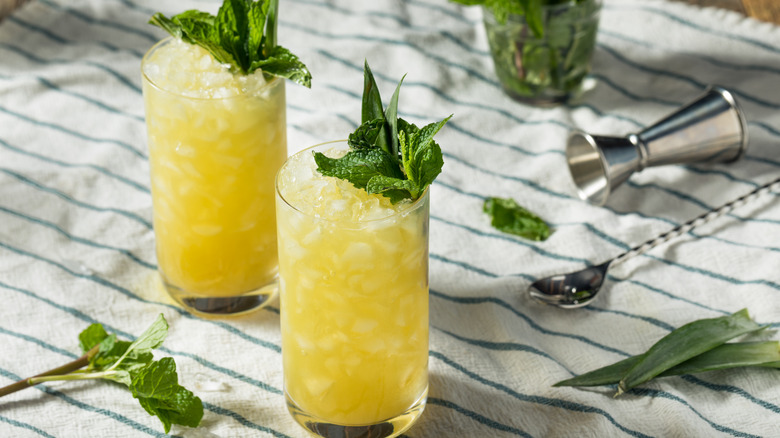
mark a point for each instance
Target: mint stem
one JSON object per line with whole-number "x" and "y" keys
{"x": 61, "y": 370}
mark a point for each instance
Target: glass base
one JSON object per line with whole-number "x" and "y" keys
{"x": 224, "y": 305}
{"x": 392, "y": 427}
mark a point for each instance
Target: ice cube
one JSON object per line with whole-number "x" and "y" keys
{"x": 364, "y": 325}
{"x": 318, "y": 385}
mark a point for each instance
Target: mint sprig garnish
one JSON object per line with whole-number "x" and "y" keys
{"x": 242, "y": 34}
{"x": 155, "y": 384}
{"x": 388, "y": 155}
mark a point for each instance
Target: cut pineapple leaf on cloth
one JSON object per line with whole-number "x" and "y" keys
{"x": 686, "y": 342}
{"x": 695, "y": 347}
{"x": 764, "y": 354}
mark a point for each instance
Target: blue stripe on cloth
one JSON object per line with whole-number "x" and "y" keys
{"x": 477, "y": 417}
{"x": 505, "y": 237}
{"x": 529, "y": 321}
{"x": 81, "y": 240}
{"x": 666, "y": 395}
{"x": 94, "y": 167}
{"x": 26, "y": 426}
{"x": 733, "y": 390}
{"x": 69, "y": 199}
{"x": 85, "y": 98}
{"x": 61, "y": 40}
{"x": 30, "y": 57}
{"x": 111, "y": 24}
{"x": 546, "y": 401}
{"x": 39, "y": 343}
{"x": 133, "y": 296}
{"x": 704, "y": 29}
{"x": 692, "y": 55}
{"x": 242, "y": 420}
{"x": 68, "y": 131}
{"x": 504, "y": 346}
{"x": 687, "y": 79}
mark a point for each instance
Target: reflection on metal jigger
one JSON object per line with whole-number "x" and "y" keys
{"x": 711, "y": 129}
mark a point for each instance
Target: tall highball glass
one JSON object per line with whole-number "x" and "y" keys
{"x": 354, "y": 302}
{"x": 216, "y": 140}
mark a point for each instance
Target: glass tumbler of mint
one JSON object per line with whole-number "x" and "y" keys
{"x": 352, "y": 220}
{"x": 216, "y": 124}
{"x": 542, "y": 52}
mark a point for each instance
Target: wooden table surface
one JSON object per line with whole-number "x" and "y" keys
{"x": 765, "y": 10}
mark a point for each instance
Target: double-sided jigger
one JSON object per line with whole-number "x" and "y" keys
{"x": 710, "y": 129}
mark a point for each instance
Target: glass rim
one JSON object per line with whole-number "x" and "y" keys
{"x": 414, "y": 205}
{"x": 274, "y": 80}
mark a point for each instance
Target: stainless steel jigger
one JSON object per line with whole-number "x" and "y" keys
{"x": 711, "y": 129}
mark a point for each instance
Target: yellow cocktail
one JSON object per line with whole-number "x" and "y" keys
{"x": 216, "y": 140}
{"x": 354, "y": 301}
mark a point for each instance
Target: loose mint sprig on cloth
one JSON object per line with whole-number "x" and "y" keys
{"x": 242, "y": 34}
{"x": 155, "y": 384}
{"x": 388, "y": 155}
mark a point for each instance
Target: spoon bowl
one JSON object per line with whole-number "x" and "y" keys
{"x": 572, "y": 290}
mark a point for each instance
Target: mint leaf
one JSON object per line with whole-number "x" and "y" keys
{"x": 365, "y": 136}
{"x": 232, "y": 25}
{"x": 242, "y": 34}
{"x": 358, "y": 166}
{"x": 91, "y": 336}
{"x": 507, "y": 216}
{"x": 423, "y": 159}
{"x": 158, "y": 391}
{"x": 284, "y": 64}
{"x": 394, "y": 188}
{"x": 151, "y": 338}
{"x": 257, "y": 15}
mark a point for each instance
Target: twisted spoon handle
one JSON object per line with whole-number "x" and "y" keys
{"x": 693, "y": 223}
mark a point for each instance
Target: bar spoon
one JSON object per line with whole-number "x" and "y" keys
{"x": 578, "y": 289}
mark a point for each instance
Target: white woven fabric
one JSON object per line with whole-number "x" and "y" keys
{"x": 76, "y": 245}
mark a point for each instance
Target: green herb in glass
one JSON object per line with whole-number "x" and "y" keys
{"x": 388, "y": 155}
{"x": 541, "y": 49}
{"x": 242, "y": 34}
{"x": 155, "y": 384}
